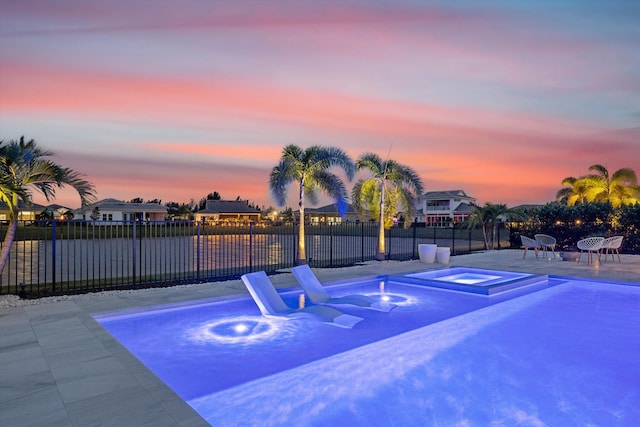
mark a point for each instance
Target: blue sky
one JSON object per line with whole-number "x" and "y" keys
{"x": 174, "y": 100}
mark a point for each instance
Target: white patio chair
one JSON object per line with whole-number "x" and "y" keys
{"x": 529, "y": 243}
{"x": 547, "y": 243}
{"x": 590, "y": 245}
{"x": 611, "y": 245}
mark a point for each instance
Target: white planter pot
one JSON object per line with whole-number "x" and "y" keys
{"x": 443, "y": 254}
{"x": 427, "y": 253}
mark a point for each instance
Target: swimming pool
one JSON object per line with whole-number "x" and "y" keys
{"x": 562, "y": 355}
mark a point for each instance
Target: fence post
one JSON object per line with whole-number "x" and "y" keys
{"x": 330, "y": 245}
{"x": 414, "y": 245}
{"x": 295, "y": 244}
{"x": 53, "y": 255}
{"x": 361, "y": 241}
{"x": 198, "y": 250}
{"x": 453, "y": 239}
{"x": 133, "y": 251}
{"x": 251, "y": 247}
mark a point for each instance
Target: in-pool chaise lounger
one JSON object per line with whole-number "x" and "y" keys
{"x": 271, "y": 303}
{"x": 317, "y": 294}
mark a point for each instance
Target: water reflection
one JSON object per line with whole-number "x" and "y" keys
{"x": 241, "y": 330}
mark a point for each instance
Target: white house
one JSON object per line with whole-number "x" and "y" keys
{"x": 442, "y": 208}
{"x": 117, "y": 210}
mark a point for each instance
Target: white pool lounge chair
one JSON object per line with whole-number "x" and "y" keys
{"x": 318, "y": 294}
{"x": 611, "y": 245}
{"x": 529, "y": 243}
{"x": 271, "y": 303}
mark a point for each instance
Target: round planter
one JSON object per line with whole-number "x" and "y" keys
{"x": 427, "y": 253}
{"x": 443, "y": 254}
{"x": 569, "y": 256}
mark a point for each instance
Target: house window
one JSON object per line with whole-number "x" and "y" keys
{"x": 107, "y": 217}
{"x": 438, "y": 205}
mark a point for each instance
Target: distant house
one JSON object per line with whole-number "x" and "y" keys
{"x": 117, "y": 210}
{"x": 329, "y": 214}
{"x": 228, "y": 211}
{"x": 55, "y": 211}
{"x": 442, "y": 208}
{"x": 25, "y": 212}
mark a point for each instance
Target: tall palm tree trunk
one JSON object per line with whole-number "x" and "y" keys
{"x": 486, "y": 237}
{"x": 302, "y": 253}
{"x": 6, "y": 245}
{"x": 380, "y": 254}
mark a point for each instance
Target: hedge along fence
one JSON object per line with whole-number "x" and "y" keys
{"x": 569, "y": 224}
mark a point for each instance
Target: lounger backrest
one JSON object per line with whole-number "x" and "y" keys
{"x": 310, "y": 283}
{"x": 264, "y": 293}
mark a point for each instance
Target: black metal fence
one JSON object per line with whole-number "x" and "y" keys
{"x": 49, "y": 257}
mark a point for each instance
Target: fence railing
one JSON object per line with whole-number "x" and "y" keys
{"x": 49, "y": 257}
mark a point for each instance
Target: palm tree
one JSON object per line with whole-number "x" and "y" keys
{"x": 310, "y": 170}
{"x": 392, "y": 187}
{"x": 619, "y": 188}
{"x": 489, "y": 217}
{"x": 574, "y": 191}
{"x": 24, "y": 167}
{"x": 483, "y": 216}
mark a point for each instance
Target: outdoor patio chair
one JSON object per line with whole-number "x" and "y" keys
{"x": 590, "y": 245}
{"x": 271, "y": 304}
{"x": 529, "y": 243}
{"x": 318, "y": 295}
{"x": 547, "y": 243}
{"x": 611, "y": 245}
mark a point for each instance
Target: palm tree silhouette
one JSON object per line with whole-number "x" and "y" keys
{"x": 23, "y": 167}
{"x": 391, "y": 188}
{"x": 310, "y": 170}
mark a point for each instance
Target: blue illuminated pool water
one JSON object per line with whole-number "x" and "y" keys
{"x": 563, "y": 355}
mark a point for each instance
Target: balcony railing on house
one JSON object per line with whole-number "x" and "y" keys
{"x": 50, "y": 258}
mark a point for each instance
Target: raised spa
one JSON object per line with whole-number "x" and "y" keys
{"x": 478, "y": 281}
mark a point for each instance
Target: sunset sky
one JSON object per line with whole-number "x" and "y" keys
{"x": 176, "y": 99}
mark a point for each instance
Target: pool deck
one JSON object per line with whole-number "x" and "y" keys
{"x": 59, "y": 367}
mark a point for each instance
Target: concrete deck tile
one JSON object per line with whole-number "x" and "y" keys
{"x": 40, "y": 408}
{"x": 22, "y": 383}
{"x": 130, "y": 406}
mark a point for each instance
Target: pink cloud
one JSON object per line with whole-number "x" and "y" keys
{"x": 34, "y": 88}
